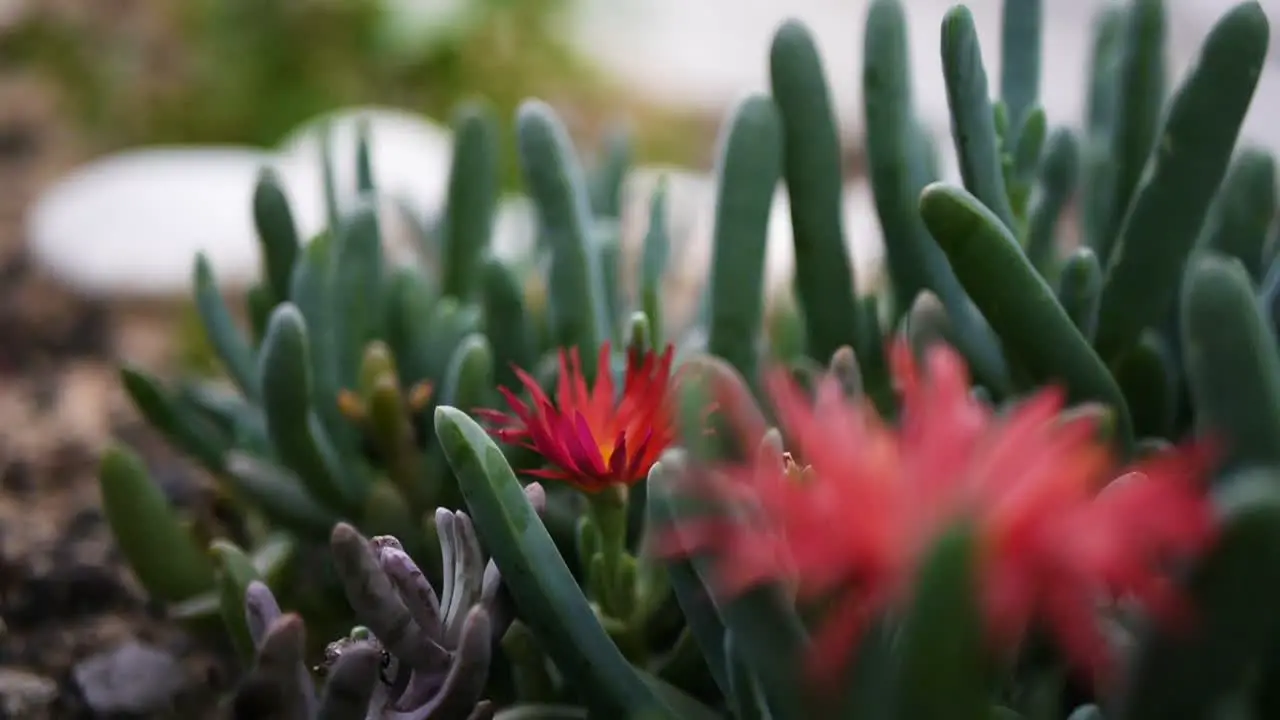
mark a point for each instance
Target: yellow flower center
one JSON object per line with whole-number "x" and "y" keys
{"x": 605, "y": 446}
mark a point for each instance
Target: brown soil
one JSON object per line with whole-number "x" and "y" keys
{"x": 64, "y": 594}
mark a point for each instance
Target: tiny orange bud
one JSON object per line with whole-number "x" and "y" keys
{"x": 420, "y": 395}
{"x": 351, "y": 406}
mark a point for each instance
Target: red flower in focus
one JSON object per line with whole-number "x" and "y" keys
{"x": 870, "y": 501}
{"x": 592, "y": 439}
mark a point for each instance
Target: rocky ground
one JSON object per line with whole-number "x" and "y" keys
{"x": 77, "y": 637}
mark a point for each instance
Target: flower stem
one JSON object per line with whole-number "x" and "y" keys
{"x": 608, "y": 510}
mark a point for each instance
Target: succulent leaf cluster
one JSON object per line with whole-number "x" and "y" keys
{"x": 365, "y": 394}
{"x": 417, "y": 655}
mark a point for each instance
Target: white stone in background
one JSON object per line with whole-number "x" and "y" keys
{"x": 707, "y": 53}
{"x": 131, "y": 224}
{"x": 515, "y": 229}
{"x": 410, "y": 155}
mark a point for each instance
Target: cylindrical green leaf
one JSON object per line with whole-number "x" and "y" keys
{"x": 295, "y": 431}
{"x": 473, "y": 197}
{"x": 553, "y": 176}
{"x": 277, "y": 234}
{"x": 1097, "y": 163}
{"x": 1232, "y": 362}
{"x": 972, "y": 121}
{"x": 1244, "y": 209}
{"x": 535, "y": 574}
{"x": 1185, "y": 675}
{"x": 1200, "y": 129}
{"x": 1138, "y": 103}
{"x": 160, "y": 551}
{"x": 358, "y": 292}
{"x": 234, "y": 573}
{"x": 811, "y": 164}
{"x": 1055, "y": 189}
{"x": 653, "y": 261}
{"x": 233, "y": 350}
{"x": 1080, "y": 288}
{"x": 186, "y": 430}
{"x": 747, "y": 173}
{"x": 1021, "y": 30}
{"x": 1036, "y": 330}
{"x": 897, "y": 153}
{"x": 610, "y": 173}
{"x": 942, "y": 675}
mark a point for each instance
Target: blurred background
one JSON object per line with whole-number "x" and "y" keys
{"x": 130, "y": 133}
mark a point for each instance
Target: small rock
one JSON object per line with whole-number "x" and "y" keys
{"x": 39, "y": 597}
{"x": 132, "y": 678}
{"x": 25, "y": 693}
{"x": 131, "y": 224}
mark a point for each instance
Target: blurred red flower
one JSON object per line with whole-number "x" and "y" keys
{"x": 852, "y": 521}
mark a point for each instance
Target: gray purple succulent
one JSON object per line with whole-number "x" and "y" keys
{"x": 417, "y": 655}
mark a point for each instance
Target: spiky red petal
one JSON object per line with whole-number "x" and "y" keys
{"x": 1055, "y": 535}
{"x": 590, "y": 438}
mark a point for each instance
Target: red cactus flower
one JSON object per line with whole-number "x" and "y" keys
{"x": 1055, "y": 536}
{"x": 593, "y": 439}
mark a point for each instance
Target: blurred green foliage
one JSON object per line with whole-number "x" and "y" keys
{"x": 249, "y": 71}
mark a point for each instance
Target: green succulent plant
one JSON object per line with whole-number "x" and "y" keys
{"x": 358, "y": 382}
